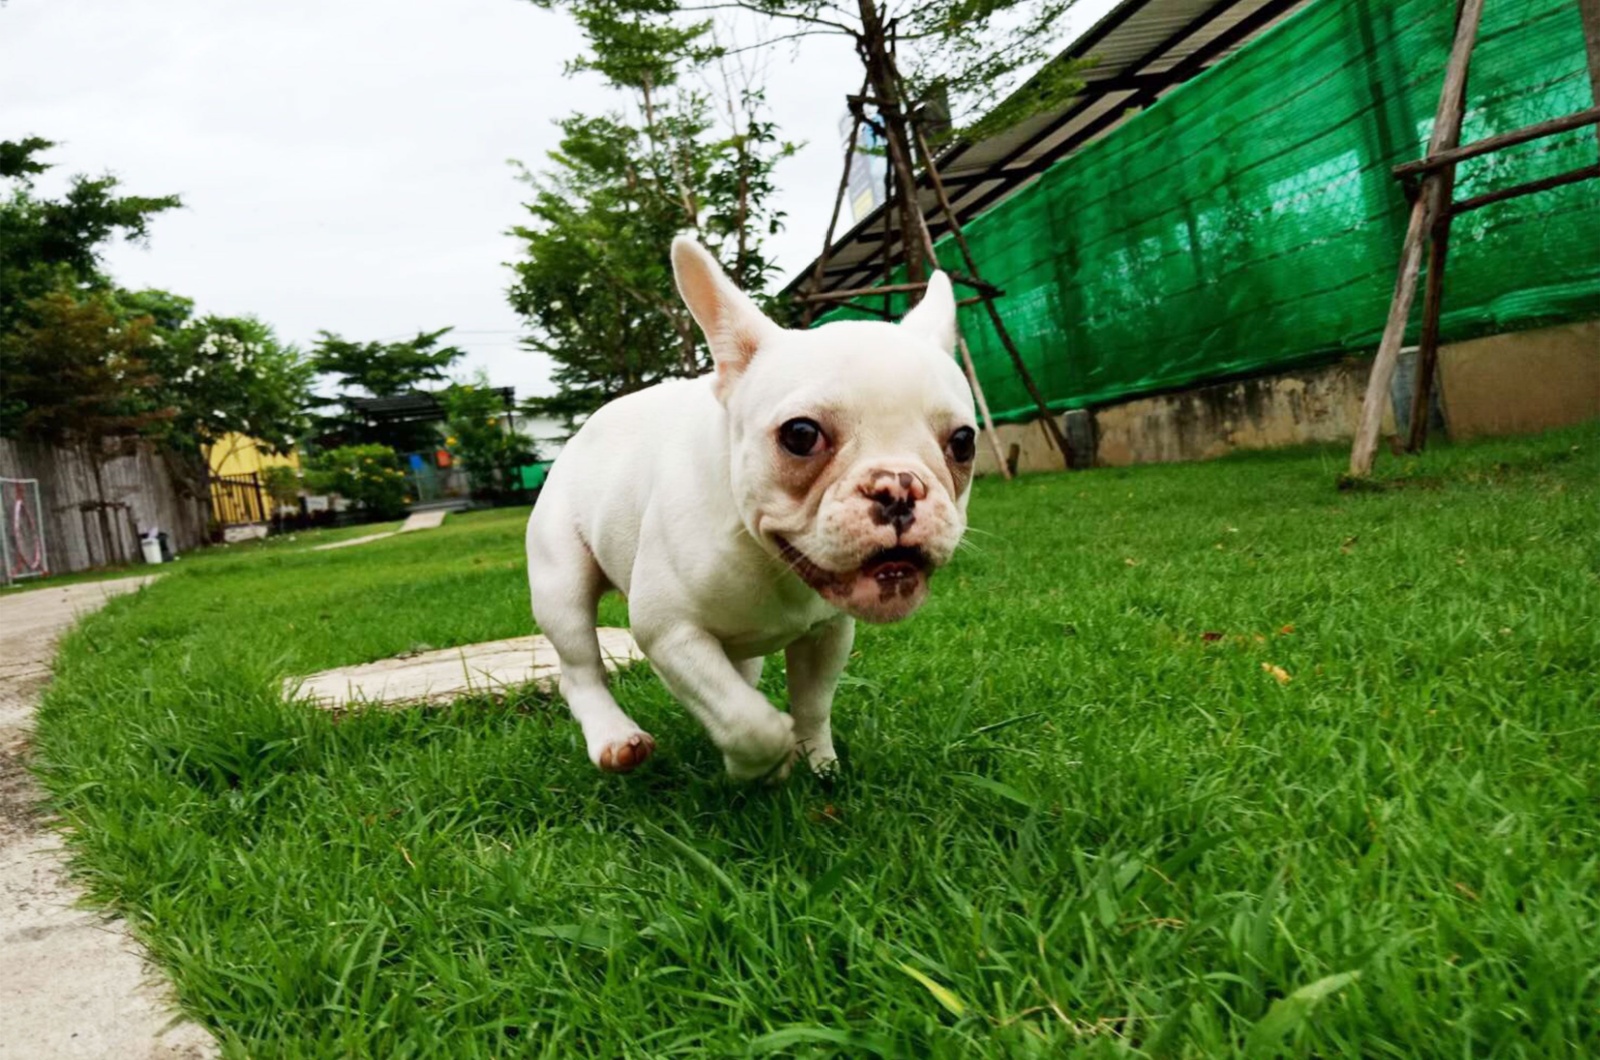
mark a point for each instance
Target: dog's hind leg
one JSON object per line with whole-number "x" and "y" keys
{"x": 750, "y": 670}
{"x": 566, "y": 584}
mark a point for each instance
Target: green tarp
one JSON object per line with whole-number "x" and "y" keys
{"x": 1248, "y": 221}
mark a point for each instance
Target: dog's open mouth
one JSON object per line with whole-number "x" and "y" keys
{"x": 888, "y": 586}
{"x": 888, "y": 566}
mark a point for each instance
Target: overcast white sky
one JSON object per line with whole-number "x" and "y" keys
{"x": 343, "y": 162}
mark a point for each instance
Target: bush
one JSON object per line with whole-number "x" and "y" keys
{"x": 367, "y": 476}
{"x": 282, "y": 484}
{"x": 480, "y": 439}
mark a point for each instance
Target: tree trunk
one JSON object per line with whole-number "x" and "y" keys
{"x": 885, "y": 87}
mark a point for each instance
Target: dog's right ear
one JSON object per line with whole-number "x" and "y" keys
{"x": 734, "y": 327}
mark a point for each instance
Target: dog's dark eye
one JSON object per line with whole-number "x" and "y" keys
{"x": 963, "y": 445}
{"x": 802, "y": 437}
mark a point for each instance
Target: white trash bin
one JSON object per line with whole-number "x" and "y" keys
{"x": 151, "y": 547}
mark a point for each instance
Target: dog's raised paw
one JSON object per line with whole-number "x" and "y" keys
{"x": 627, "y": 754}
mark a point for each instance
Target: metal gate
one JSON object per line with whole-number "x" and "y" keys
{"x": 239, "y": 499}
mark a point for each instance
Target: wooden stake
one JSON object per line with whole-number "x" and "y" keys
{"x": 1589, "y": 15}
{"x": 833, "y": 221}
{"x": 966, "y": 363}
{"x": 1428, "y": 347}
{"x": 1446, "y": 135}
{"x": 1050, "y": 426}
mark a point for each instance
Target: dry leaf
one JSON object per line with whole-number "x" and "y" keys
{"x": 1130, "y": 561}
{"x": 1286, "y": 630}
{"x": 1279, "y": 674}
{"x": 1210, "y": 635}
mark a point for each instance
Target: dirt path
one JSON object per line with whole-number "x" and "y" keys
{"x": 72, "y": 984}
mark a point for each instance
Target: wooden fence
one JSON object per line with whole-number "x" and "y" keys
{"x": 143, "y": 491}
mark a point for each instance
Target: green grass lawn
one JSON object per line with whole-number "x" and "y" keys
{"x": 292, "y": 541}
{"x": 1178, "y": 761}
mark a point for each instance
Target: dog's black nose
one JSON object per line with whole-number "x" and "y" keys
{"x": 888, "y": 509}
{"x": 894, "y": 496}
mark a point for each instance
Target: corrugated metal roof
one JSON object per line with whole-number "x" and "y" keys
{"x": 1140, "y": 50}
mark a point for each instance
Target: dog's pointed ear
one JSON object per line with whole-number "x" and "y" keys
{"x": 733, "y": 326}
{"x": 934, "y": 318}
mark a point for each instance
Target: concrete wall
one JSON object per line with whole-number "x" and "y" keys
{"x": 1519, "y": 382}
{"x": 1522, "y": 382}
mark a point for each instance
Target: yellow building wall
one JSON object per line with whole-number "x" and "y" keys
{"x": 238, "y": 454}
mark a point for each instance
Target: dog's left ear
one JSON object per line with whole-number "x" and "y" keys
{"x": 934, "y": 318}
{"x": 734, "y": 327}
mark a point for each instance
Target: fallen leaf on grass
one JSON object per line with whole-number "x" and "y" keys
{"x": 1286, "y": 630}
{"x": 1289, "y": 1013}
{"x": 1279, "y": 674}
{"x": 941, "y": 993}
{"x": 1466, "y": 891}
{"x": 1210, "y": 636}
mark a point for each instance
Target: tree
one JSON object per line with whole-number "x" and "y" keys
{"x": 481, "y": 438}
{"x": 55, "y": 244}
{"x": 150, "y": 371}
{"x": 231, "y": 375}
{"x": 76, "y": 376}
{"x": 595, "y": 284}
{"x": 945, "y": 57}
{"x": 380, "y": 369}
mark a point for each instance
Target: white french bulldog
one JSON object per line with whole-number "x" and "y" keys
{"x": 814, "y": 478}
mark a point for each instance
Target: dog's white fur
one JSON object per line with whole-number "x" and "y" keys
{"x": 727, "y": 546}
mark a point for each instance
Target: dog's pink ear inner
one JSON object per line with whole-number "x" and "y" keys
{"x": 934, "y": 318}
{"x": 734, "y": 328}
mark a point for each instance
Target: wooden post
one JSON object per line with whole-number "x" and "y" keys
{"x": 1047, "y": 417}
{"x": 810, "y": 311}
{"x": 1428, "y": 346}
{"x": 1446, "y": 134}
{"x": 1589, "y": 15}
{"x": 966, "y": 361}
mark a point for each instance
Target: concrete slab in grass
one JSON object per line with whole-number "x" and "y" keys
{"x": 441, "y": 676}
{"x": 415, "y": 521}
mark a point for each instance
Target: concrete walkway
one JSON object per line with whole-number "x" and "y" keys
{"x": 72, "y": 984}
{"x": 440, "y": 676}
{"x": 415, "y": 521}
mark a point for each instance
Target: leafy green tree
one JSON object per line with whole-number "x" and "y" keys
{"x": 52, "y": 244}
{"x": 595, "y": 284}
{"x": 481, "y": 438}
{"x": 158, "y": 374}
{"x": 367, "y": 476}
{"x": 924, "y": 62}
{"x": 380, "y": 369}
{"x": 77, "y": 377}
{"x": 231, "y": 375}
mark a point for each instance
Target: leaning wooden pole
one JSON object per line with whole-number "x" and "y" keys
{"x": 1428, "y": 344}
{"x": 1589, "y": 15}
{"x": 1045, "y": 414}
{"x": 810, "y": 311}
{"x": 967, "y": 365}
{"x": 1426, "y": 209}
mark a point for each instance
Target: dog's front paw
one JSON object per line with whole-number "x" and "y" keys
{"x": 764, "y": 749}
{"x": 626, "y": 754}
{"x": 820, "y": 756}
